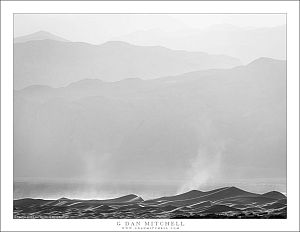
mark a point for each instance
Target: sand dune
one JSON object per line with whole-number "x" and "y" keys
{"x": 229, "y": 202}
{"x": 220, "y": 209}
{"x": 274, "y": 195}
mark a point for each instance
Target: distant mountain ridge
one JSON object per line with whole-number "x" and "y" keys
{"x": 92, "y": 87}
{"x": 242, "y": 42}
{"x": 56, "y": 63}
{"x": 39, "y": 35}
{"x": 136, "y": 121}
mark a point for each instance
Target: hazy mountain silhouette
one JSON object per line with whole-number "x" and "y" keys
{"x": 189, "y": 128}
{"x": 218, "y": 204}
{"x": 244, "y": 43}
{"x": 39, "y": 35}
{"x": 56, "y": 63}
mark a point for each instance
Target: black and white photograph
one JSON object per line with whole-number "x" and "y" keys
{"x": 150, "y": 116}
{"x": 134, "y": 116}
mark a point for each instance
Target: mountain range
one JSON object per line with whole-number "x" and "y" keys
{"x": 192, "y": 127}
{"x": 122, "y": 113}
{"x": 45, "y": 59}
{"x": 245, "y": 43}
{"x": 39, "y": 35}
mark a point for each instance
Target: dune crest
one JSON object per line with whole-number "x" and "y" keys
{"x": 228, "y": 202}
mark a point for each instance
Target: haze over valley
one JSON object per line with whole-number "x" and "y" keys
{"x": 58, "y": 63}
{"x": 190, "y": 128}
{"x": 161, "y": 117}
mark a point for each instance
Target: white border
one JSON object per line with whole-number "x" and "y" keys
{"x": 7, "y": 10}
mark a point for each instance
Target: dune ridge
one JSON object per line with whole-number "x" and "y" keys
{"x": 228, "y": 202}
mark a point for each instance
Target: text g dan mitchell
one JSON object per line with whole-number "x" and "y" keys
{"x": 149, "y": 225}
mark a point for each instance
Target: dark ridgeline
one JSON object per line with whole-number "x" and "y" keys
{"x": 227, "y": 202}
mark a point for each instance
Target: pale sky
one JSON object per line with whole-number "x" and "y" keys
{"x": 98, "y": 28}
